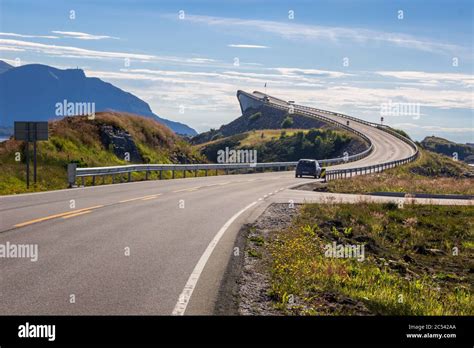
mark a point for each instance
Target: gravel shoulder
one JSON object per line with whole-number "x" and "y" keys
{"x": 246, "y": 284}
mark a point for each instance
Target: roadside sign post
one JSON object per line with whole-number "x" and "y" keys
{"x": 31, "y": 132}
{"x": 27, "y": 164}
{"x": 34, "y": 162}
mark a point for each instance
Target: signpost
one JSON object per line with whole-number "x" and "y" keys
{"x": 31, "y": 132}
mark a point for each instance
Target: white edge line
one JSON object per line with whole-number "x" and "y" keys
{"x": 185, "y": 296}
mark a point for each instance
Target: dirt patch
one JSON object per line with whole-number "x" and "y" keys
{"x": 312, "y": 186}
{"x": 254, "y": 283}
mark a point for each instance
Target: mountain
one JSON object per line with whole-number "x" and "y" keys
{"x": 4, "y": 66}
{"x": 35, "y": 92}
{"x": 465, "y": 152}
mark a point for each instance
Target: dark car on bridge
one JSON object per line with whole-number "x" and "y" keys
{"x": 308, "y": 167}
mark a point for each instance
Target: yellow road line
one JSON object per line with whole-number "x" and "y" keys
{"x": 188, "y": 190}
{"x": 151, "y": 197}
{"x": 55, "y": 216}
{"x": 77, "y": 214}
{"x": 137, "y": 198}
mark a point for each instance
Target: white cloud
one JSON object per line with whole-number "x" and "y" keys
{"x": 246, "y": 46}
{"x": 76, "y": 52}
{"x": 82, "y": 36}
{"x": 13, "y": 49}
{"x": 432, "y": 78}
{"x": 294, "y": 31}
{"x": 332, "y": 96}
{"x": 69, "y": 50}
{"x": 434, "y": 128}
{"x": 29, "y": 36}
{"x": 12, "y": 62}
{"x": 320, "y": 73}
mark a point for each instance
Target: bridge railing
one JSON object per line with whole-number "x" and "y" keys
{"x": 349, "y": 172}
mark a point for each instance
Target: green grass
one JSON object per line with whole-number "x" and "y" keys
{"x": 430, "y": 173}
{"x": 409, "y": 266}
{"x": 254, "y": 137}
{"x": 286, "y": 145}
{"x": 77, "y": 140}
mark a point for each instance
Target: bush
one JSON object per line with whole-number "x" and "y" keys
{"x": 287, "y": 122}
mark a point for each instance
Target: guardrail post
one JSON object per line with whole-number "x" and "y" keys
{"x": 184, "y": 173}
{"x": 216, "y": 172}
{"x": 226, "y": 171}
{"x": 172, "y": 174}
{"x": 113, "y": 178}
{"x": 71, "y": 174}
{"x": 161, "y": 175}
{"x": 205, "y": 171}
{"x": 146, "y": 174}
{"x": 129, "y": 176}
{"x": 82, "y": 181}
{"x": 195, "y": 172}
{"x": 93, "y": 180}
{"x": 103, "y": 179}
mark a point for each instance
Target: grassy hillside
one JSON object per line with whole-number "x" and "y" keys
{"x": 417, "y": 260}
{"x": 430, "y": 173}
{"x": 79, "y": 140}
{"x": 448, "y": 148}
{"x": 288, "y": 144}
{"x": 260, "y": 118}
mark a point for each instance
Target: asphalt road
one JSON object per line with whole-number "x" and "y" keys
{"x": 177, "y": 254}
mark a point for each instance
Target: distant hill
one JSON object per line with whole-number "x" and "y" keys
{"x": 32, "y": 92}
{"x": 277, "y": 135}
{"x": 4, "y": 66}
{"x": 262, "y": 117}
{"x": 107, "y": 140}
{"x": 287, "y": 145}
{"x": 465, "y": 152}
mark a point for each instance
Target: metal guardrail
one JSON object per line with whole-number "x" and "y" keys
{"x": 349, "y": 172}
{"x": 74, "y": 172}
{"x": 82, "y": 173}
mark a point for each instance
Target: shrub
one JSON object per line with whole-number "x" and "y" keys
{"x": 287, "y": 122}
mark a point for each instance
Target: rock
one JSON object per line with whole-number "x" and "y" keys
{"x": 397, "y": 266}
{"x": 121, "y": 141}
{"x": 420, "y": 249}
{"x": 408, "y": 258}
{"x": 436, "y": 252}
{"x": 370, "y": 244}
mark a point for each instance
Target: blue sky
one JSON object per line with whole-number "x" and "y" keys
{"x": 347, "y": 56}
